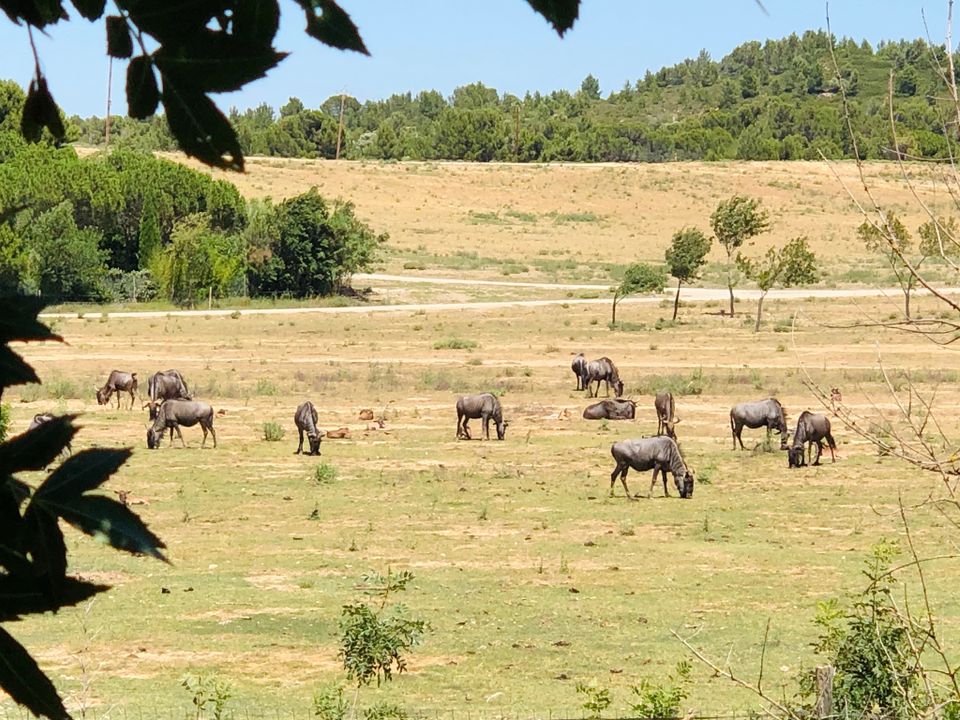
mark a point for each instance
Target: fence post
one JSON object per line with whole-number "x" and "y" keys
{"x": 824, "y": 680}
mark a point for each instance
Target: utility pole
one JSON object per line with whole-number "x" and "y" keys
{"x": 343, "y": 97}
{"x": 106, "y": 123}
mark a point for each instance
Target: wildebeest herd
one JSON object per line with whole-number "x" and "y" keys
{"x": 170, "y": 406}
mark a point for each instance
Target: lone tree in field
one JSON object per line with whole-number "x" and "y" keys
{"x": 734, "y": 222}
{"x": 685, "y": 256}
{"x": 892, "y": 241}
{"x": 792, "y": 264}
{"x": 639, "y": 278}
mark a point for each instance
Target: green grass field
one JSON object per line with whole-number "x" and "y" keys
{"x": 531, "y": 577}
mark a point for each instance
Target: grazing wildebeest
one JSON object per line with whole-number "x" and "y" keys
{"x": 165, "y": 385}
{"x": 660, "y": 453}
{"x": 41, "y": 418}
{"x": 174, "y": 413}
{"x": 666, "y": 419}
{"x": 579, "y": 367}
{"x": 118, "y": 382}
{"x": 602, "y": 369}
{"x": 767, "y": 413}
{"x": 484, "y": 406}
{"x": 613, "y": 409}
{"x": 306, "y": 419}
{"x": 813, "y": 429}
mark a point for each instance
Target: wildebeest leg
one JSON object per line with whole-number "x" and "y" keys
{"x": 819, "y": 445}
{"x": 212, "y": 433}
{"x": 831, "y": 444}
{"x": 132, "y": 397}
{"x": 300, "y": 446}
{"x": 179, "y": 435}
{"x": 466, "y": 431}
{"x": 737, "y": 431}
{"x": 118, "y": 401}
{"x": 485, "y": 419}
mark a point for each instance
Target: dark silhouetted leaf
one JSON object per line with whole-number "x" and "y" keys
{"x": 18, "y": 320}
{"x": 12, "y": 494}
{"x": 174, "y": 21}
{"x": 560, "y": 13}
{"x": 40, "y": 111}
{"x": 90, "y": 9}
{"x": 21, "y": 595}
{"x": 15, "y": 561}
{"x": 214, "y": 61}
{"x": 106, "y": 519}
{"x": 256, "y": 21}
{"x": 36, "y": 12}
{"x": 36, "y": 449}
{"x": 13, "y": 370}
{"x": 199, "y": 127}
{"x": 43, "y": 540}
{"x": 26, "y": 684}
{"x": 328, "y": 23}
{"x": 84, "y": 471}
{"x": 119, "y": 42}
{"x": 143, "y": 95}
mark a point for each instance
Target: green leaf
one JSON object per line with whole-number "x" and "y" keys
{"x": 143, "y": 95}
{"x": 328, "y": 23}
{"x": 173, "y": 21}
{"x": 36, "y": 12}
{"x": 560, "y": 13}
{"x": 37, "y": 448}
{"x": 256, "y": 21}
{"x": 215, "y": 61}
{"x": 18, "y": 320}
{"x": 43, "y": 539}
{"x": 84, "y": 471}
{"x": 106, "y": 519}
{"x": 90, "y": 9}
{"x": 201, "y": 130}
{"x": 20, "y": 595}
{"x": 13, "y": 370}
{"x": 40, "y": 111}
{"x": 119, "y": 42}
{"x": 23, "y": 680}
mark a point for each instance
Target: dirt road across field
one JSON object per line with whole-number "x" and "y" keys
{"x": 690, "y": 294}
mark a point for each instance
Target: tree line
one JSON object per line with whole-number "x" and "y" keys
{"x": 129, "y": 226}
{"x": 763, "y": 101}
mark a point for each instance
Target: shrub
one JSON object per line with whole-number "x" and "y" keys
{"x": 273, "y": 432}
{"x": 662, "y": 701}
{"x": 324, "y": 474}
{"x": 454, "y": 344}
{"x": 4, "y": 421}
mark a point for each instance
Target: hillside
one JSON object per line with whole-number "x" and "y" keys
{"x": 779, "y": 99}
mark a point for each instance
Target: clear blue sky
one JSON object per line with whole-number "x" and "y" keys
{"x": 442, "y": 44}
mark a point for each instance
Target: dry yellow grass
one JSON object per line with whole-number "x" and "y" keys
{"x": 447, "y": 207}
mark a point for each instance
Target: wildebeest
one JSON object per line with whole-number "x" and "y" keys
{"x": 579, "y": 366}
{"x": 484, "y": 406}
{"x": 767, "y": 413}
{"x": 812, "y": 428}
{"x": 165, "y": 385}
{"x": 306, "y": 420}
{"x": 602, "y": 369}
{"x": 612, "y": 409}
{"x": 659, "y": 453}
{"x": 41, "y": 418}
{"x": 174, "y": 413}
{"x": 666, "y": 418}
{"x": 118, "y": 382}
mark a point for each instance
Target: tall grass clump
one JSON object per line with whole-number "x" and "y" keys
{"x": 273, "y": 432}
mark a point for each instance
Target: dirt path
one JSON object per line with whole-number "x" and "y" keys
{"x": 687, "y": 295}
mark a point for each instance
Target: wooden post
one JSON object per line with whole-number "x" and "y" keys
{"x": 210, "y": 297}
{"x": 343, "y": 97}
{"x": 106, "y": 123}
{"x": 824, "y": 681}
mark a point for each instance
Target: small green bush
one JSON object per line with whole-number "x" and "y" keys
{"x": 324, "y": 474}
{"x": 4, "y": 421}
{"x": 454, "y": 344}
{"x": 266, "y": 387}
{"x": 273, "y": 432}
